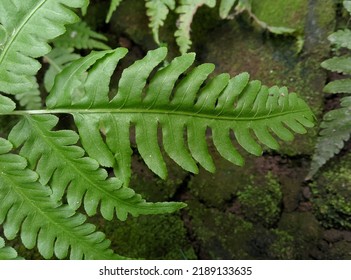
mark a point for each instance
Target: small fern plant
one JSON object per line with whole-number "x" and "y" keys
{"x": 158, "y": 10}
{"x": 48, "y": 176}
{"x": 336, "y": 124}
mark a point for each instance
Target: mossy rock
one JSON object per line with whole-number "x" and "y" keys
{"x": 261, "y": 204}
{"x": 150, "y": 237}
{"x": 332, "y": 193}
{"x": 282, "y": 13}
{"x": 220, "y": 235}
{"x": 304, "y": 228}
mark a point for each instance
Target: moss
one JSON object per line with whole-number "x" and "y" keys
{"x": 283, "y": 247}
{"x": 221, "y": 235}
{"x": 261, "y": 203}
{"x": 332, "y": 194}
{"x": 150, "y": 237}
{"x": 304, "y": 228}
{"x": 286, "y": 13}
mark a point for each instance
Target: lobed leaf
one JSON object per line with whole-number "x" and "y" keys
{"x": 62, "y": 165}
{"x": 252, "y": 112}
{"x": 27, "y": 208}
{"x": 19, "y": 21}
{"x": 7, "y": 253}
{"x": 157, "y": 11}
{"x": 335, "y": 131}
{"x": 186, "y": 10}
{"x": 80, "y": 36}
{"x": 58, "y": 59}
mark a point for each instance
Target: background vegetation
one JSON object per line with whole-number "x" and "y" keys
{"x": 271, "y": 209}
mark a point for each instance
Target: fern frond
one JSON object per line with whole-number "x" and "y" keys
{"x": 186, "y": 10}
{"x": 62, "y": 165}
{"x": 251, "y": 111}
{"x": 26, "y": 207}
{"x": 336, "y": 124}
{"x": 19, "y": 21}
{"x": 335, "y": 130}
{"x": 7, "y": 253}
{"x": 157, "y": 11}
{"x": 58, "y": 59}
{"x": 113, "y": 6}
{"x": 80, "y": 36}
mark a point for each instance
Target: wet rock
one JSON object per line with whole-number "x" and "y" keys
{"x": 333, "y": 235}
{"x": 340, "y": 251}
{"x": 332, "y": 193}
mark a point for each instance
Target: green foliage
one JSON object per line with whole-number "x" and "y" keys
{"x": 336, "y": 124}
{"x": 26, "y": 206}
{"x": 113, "y": 6}
{"x": 186, "y": 11}
{"x": 223, "y": 104}
{"x": 19, "y": 28}
{"x": 7, "y": 253}
{"x": 58, "y": 58}
{"x": 80, "y": 36}
{"x": 157, "y": 11}
{"x": 261, "y": 204}
{"x": 47, "y": 174}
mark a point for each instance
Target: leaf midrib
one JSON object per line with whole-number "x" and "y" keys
{"x": 8, "y": 46}
{"x": 157, "y": 112}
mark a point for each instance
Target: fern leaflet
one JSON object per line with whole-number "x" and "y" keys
{"x": 7, "y": 253}
{"x": 19, "y": 21}
{"x": 26, "y": 207}
{"x": 157, "y": 11}
{"x": 58, "y": 59}
{"x": 80, "y": 36}
{"x": 336, "y": 124}
{"x": 113, "y": 6}
{"x": 186, "y": 11}
{"x": 225, "y": 105}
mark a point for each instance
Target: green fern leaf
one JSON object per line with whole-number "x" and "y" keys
{"x": 336, "y": 124}
{"x": 341, "y": 38}
{"x": 225, "y": 7}
{"x": 186, "y": 11}
{"x": 54, "y": 157}
{"x": 336, "y": 129}
{"x": 338, "y": 86}
{"x": 113, "y": 6}
{"x": 338, "y": 64}
{"x": 19, "y": 21}
{"x": 157, "y": 11}
{"x": 7, "y": 253}
{"x": 225, "y": 105}
{"x": 26, "y": 207}
{"x": 80, "y": 36}
{"x": 58, "y": 59}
